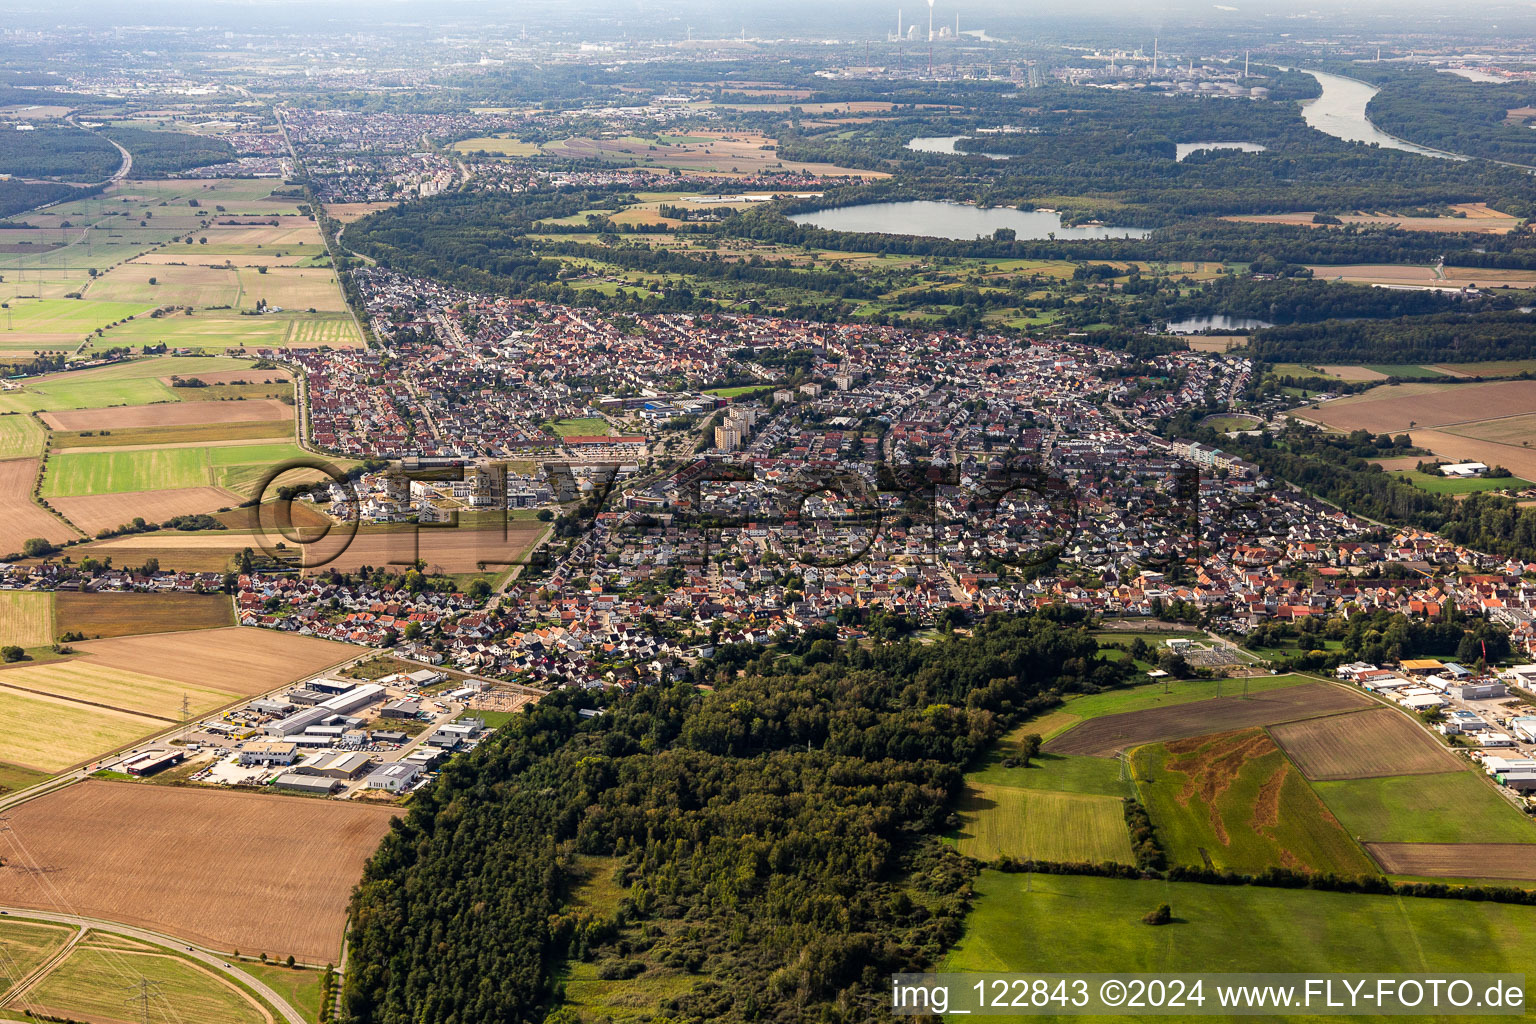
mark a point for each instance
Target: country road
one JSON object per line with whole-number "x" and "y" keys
{"x": 204, "y": 956}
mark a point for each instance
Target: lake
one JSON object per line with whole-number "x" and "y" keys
{"x": 953, "y": 220}
{"x": 946, "y": 144}
{"x": 1221, "y": 322}
{"x": 1340, "y": 112}
{"x": 1183, "y": 149}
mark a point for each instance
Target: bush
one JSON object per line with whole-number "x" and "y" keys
{"x": 1162, "y": 915}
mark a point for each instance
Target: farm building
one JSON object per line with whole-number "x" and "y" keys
{"x": 1464, "y": 469}
{"x": 393, "y": 778}
{"x": 151, "y": 761}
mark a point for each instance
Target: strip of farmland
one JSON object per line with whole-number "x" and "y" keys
{"x": 1104, "y": 736}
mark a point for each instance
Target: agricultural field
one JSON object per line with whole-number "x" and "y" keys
{"x": 93, "y": 513}
{"x": 1366, "y": 744}
{"x": 220, "y": 889}
{"x": 49, "y": 734}
{"x": 1512, "y": 861}
{"x": 1474, "y": 217}
{"x": 1232, "y": 801}
{"x": 26, "y": 618}
{"x": 90, "y": 985}
{"x": 63, "y": 323}
{"x": 175, "y": 414}
{"x": 26, "y": 946}
{"x": 1393, "y": 409}
{"x": 236, "y": 660}
{"x": 729, "y": 152}
{"x": 112, "y": 615}
{"x": 20, "y": 434}
{"x": 20, "y": 518}
{"x": 1452, "y": 807}
{"x": 207, "y": 433}
{"x": 1105, "y": 735}
{"x": 118, "y": 689}
{"x": 496, "y": 145}
{"x": 236, "y": 468}
{"x": 1036, "y": 824}
{"x": 448, "y": 550}
{"x": 1434, "y": 483}
{"x": 1078, "y": 924}
{"x": 164, "y": 285}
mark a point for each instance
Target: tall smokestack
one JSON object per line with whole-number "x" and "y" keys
{"x": 1154, "y": 55}
{"x": 898, "y": 24}
{"x": 930, "y": 38}
{"x": 1245, "y": 63}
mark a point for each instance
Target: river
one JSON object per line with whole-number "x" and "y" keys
{"x": 953, "y": 220}
{"x": 1340, "y": 112}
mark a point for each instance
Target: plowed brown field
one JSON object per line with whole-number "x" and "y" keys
{"x": 235, "y": 659}
{"x": 20, "y": 519}
{"x": 246, "y": 871}
{"x": 1366, "y": 745}
{"x": 1456, "y": 860}
{"x": 1104, "y": 736}
{"x": 96, "y": 512}
{"x": 169, "y": 414}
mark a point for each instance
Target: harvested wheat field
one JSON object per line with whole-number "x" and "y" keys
{"x": 1456, "y": 860}
{"x": 96, "y": 512}
{"x": 1456, "y": 447}
{"x": 1102, "y": 737}
{"x": 449, "y": 550}
{"x": 169, "y": 414}
{"x": 20, "y": 519}
{"x": 112, "y": 615}
{"x": 113, "y": 688}
{"x": 26, "y": 618}
{"x": 247, "y": 871}
{"x": 236, "y": 660}
{"x": 1363, "y": 745}
{"x": 1392, "y": 409}
{"x": 49, "y": 734}
{"x": 1476, "y": 217}
{"x": 1353, "y": 373}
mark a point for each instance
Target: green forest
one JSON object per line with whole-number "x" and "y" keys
{"x": 776, "y": 834}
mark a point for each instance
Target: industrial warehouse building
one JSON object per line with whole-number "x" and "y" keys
{"x": 340, "y": 704}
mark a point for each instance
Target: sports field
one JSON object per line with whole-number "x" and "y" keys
{"x": 1032, "y": 824}
{"x": 1233, "y": 801}
{"x": 26, "y": 618}
{"x": 285, "y": 894}
{"x": 110, "y": 615}
{"x": 1376, "y": 742}
{"x": 90, "y": 984}
{"x": 1049, "y": 923}
{"x": 1104, "y": 736}
{"x": 1452, "y": 807}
